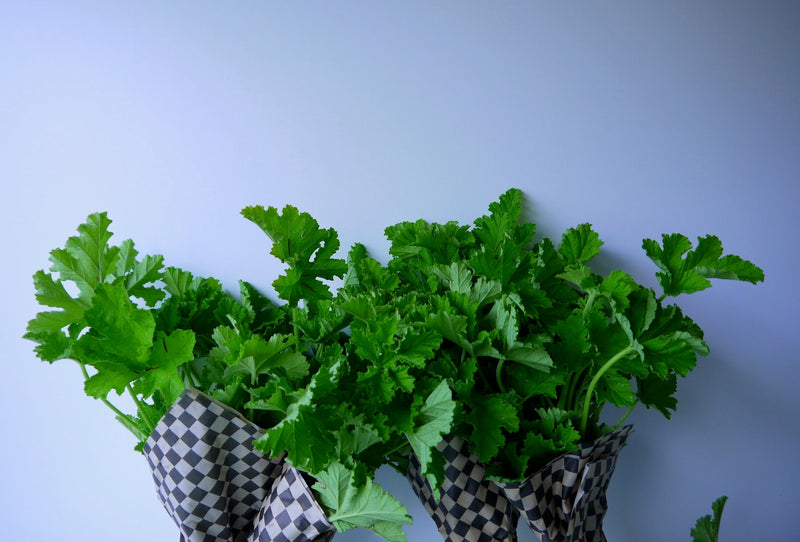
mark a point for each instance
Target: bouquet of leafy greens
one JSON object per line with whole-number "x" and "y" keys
{"x": 137, "y": 327}
{"x": 483, "y": 332}
{"x": 534, "y": 343}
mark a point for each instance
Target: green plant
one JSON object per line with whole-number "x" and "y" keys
{"x": 138, "y": 328}
{"x": 534, "y": 343}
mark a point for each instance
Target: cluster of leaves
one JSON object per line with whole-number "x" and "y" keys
{"x": 339, "y": 405}
{"x": 533, "y": 342}
{"x": 133, "y": 325}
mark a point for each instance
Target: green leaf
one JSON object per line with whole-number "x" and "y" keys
{"x": 304, "y": 433}
{"x": 275, "y": 396}
{"x": 500, "y": 264}
{"x": 485, "y": 291}
{"x": 503, "y": 317}
{"x": 456, "y": 277}
{"x": 571, "y": 342}
{"x": 51, "y": 293}
{"x": 683, "y": 270}
{"x": 354, "y": 437}
{"x": 641, "y": 310}
{"x": 140, "y": 274}
{"x": 120, "y": 332}
{"x": 451, "y": 326}
{"x": 531, "y": 355}
{"x": 367, "y": 274}
{"x": 434, "y": 420}
{"x": 51, "y": 345}
{"x": 256, "y": 356}
{"x": 615, "y": 389}
{"x": 579, "y": 275}
{"x": 418, "y": 346}
{"x": 668, "y": 353}
{"x": 579, "y": 244}
{"x": 658, "y": 393}
{"x": 179, "y": 283}
{"x": 367, "y": 506}
{"x": 428, "y": 244}
{"x": 168, "y": 354}
{"x": 500, "y": 224}
{"x": 109, "y": 376}
{"x": 617, "y": 287}
{"x": 490, "y": 414}
{"x": 707, "y": 528}
{"x": 87, "y": 259}
{"x": 299, "y": 242}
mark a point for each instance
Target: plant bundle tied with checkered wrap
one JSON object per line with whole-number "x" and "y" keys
{"x": 217, "y": 488}
{"x": 563, "y": 502}
{"x": 566, "y": 500}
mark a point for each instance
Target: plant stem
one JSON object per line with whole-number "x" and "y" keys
{"x": 189, "y": 376}
{"x": 106, "y": 402}
{"x": 628, "y": 413}
{"x": 589, "y": 303}
{"x": 590, "y": 391}
{"x": 396, "y": 449}
{"x": 141, "y": 408}
{"x": 296, "y": 329}
{"x": 498, "y": 377}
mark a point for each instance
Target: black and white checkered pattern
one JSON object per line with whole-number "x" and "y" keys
{"x": 298, "y": 518}
{"x": 566, "y": 501}
{"x": 563, "y": 502}
{"x": 217, "y": 488}
{"x": 470, "y": 508}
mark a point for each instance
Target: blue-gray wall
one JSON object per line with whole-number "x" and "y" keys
{"x": 638, "y": 117}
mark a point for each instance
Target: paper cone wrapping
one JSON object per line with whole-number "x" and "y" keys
{"x": 470, "y": 508}
{"x": 218, "y": 488}
{"x": 566, "y": 500}
{"x": 563, "y": 502}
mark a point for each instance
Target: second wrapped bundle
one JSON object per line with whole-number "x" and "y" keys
{"x": 563, "y": 502}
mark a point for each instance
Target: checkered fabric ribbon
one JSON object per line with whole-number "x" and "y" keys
{"x": 566, "y": 501}
{"x": 217, "y": 488}
{"x": 470, "y": 508}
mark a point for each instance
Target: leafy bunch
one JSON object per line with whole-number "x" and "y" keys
{"x": 133, "y": 325}
{"x": 534, "y": 343}
{"x": 367, "y": 403}
{"x": 329, "y": 381}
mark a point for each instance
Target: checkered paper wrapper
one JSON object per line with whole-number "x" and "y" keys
{"x": 470, "y": 508}
{"x": 563, "y": 502}
{"x": 566, "y": 500}
{"x": 217, "y": 488}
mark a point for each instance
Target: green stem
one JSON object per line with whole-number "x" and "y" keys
{"x": 396, "y": 449}
{"x": 141, "y": 408}
{"x": 589, "y": 303}
{"x": 628, "y": 413}
{"x": 189, "y": 376}
{"x": 565, "y": 398}
{"x": 110, "y": 405}
{"x": 569, "y": 396}
{"x": 590, "y": 391}
{"x": 296, "y": 330}
{"x": 105, "y": 401}
{"x": 498, "y": 377}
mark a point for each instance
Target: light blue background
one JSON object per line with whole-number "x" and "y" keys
{"x": 639, "y": 117}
